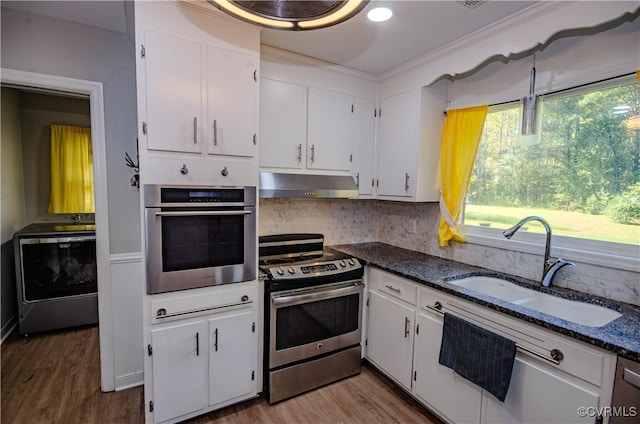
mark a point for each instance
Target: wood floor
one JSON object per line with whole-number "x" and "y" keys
{"x": 54, "y": 377}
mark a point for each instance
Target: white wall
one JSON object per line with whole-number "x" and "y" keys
{"x": 49, "y": 46}
{"x": 12, "y": 205}
{"x": 564, "y": 63}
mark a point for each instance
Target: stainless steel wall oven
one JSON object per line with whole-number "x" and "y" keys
{"x": 199, "y": 236}
{"x": 313, "y": 311}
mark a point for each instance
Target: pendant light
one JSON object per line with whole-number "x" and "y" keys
{"x": 291, "y": 15}
{"x": 530, "y": 127}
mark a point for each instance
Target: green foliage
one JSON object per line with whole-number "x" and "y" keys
{"x": 587, "y": 159}
{"x": 625, "y": 208}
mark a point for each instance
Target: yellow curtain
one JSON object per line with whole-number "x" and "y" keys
{"x": 71, "y": 170}
{"x": 460, "y": 139}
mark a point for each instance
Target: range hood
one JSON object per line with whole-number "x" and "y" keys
{"x": 280, "y": 185}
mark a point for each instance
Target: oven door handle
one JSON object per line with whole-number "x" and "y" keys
{"x": 203, "y": 213}
{"x": 306, "y": 296}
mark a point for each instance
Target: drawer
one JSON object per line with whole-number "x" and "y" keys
{"x": 197, "y": 302}
{"x": 397, "y": 287}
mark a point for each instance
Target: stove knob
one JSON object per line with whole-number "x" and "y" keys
{"x": 343, "y": 263}
{"x": 352, "y": 262}
{"x": 280, "y": 271}
{"x": 292, "y": 270}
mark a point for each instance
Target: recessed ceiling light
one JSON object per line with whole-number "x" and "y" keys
{"x": 379, "y": 14}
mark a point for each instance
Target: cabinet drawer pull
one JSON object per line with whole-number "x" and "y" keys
{"x": 631, "y": 377}
{"x": 215, "y": 343}
{"x": 299, "y": 153}
{"x": 197, "y": 344}
{"x": 406, "y": 327}
{"x": 215, "y": 132}
{"x": 406, "y": 181}
{"x": 313, "y": 152}
{"x": 390, "y": 287}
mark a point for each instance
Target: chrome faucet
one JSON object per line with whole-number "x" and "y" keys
{"x": 551, "y": 266}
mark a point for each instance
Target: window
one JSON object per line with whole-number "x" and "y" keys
{"x": 582, "y": 175}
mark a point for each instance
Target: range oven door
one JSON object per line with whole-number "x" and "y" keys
{"x": 312, "y": 321}
{"x": 200, "y": 246}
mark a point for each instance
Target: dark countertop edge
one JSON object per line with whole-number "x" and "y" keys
{"x": 621, "y": 336}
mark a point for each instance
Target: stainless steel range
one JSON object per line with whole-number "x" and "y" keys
{"x": 313, "y": 311}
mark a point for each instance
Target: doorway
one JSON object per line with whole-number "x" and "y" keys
{"x": 94, "y": 92}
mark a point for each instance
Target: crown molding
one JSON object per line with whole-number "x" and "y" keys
{"x": 514, "y": 34}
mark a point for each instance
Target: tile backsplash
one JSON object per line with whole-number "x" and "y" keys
{"x": 414, "y": 226}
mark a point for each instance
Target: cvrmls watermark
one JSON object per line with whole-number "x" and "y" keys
{"x": 608, "y": 411}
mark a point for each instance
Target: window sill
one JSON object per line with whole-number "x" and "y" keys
{"x": 607, "y": 254}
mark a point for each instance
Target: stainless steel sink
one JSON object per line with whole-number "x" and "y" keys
{"x": 569, "y": 310}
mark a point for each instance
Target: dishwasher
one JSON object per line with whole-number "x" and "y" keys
{"x": 625, "y": 405}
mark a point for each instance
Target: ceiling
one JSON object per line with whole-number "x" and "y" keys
{"x": 417, "y": 28}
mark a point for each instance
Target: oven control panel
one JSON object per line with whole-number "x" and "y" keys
{"x": 316, "y": 269}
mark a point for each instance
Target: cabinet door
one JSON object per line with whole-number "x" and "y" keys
{"x": 232, "y": 102}
{"x": 390, "y": 337}
{"x": 179, "y": 370}
{"x": 233, "y": 346}
{"x": 363, "y": 144}
{"x": 397, "y": 144}
{"x": 173, "y": 93}
{"x": 283, "y": 124}
{"x": 538, "y": 394}
{"x": 329, "y": 130}
{"x": 449, "y": 394}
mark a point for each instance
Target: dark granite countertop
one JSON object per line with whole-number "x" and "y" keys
{"x": 621, "y": 336}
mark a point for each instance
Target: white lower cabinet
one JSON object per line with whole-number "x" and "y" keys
{"x": 435, "y": 383}
{"x": 390, "y": 337}
{"x": 233, "y": 349}
{"x": 179, "y": 355}
{"x": 541, "y": 391}
{"x": 540, "y": 395}
{"x": 206, "y": 361}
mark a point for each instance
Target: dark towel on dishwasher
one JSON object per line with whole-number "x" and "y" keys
{"x": 478, "y": 355}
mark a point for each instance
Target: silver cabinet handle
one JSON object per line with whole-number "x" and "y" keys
{"x": 406, "y": 181}
{"x": 406, "y": 327}
{"x": 215, "y": 132}
{"x": 313, "y": 152}
{"x": 631, "y": 377}
{"x": 358, "y": 180}
{"x": 195, "y": 130}
{"x": 197, "y": 344}
{"x": 390, "y": 287}
{"x": 299, "y": 153}
{"x": 215, "y": 343}
{"x": 203, "y": 213}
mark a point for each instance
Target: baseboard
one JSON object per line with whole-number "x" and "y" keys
{"x": 8, "y": 328}
{"x": 130, "y": 380}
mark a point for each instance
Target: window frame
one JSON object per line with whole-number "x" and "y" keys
{"x": 596, "y": 252}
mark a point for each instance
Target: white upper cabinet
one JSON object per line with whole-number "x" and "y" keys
{"x": 409, "y": 145}
{"x": 396, "y": 147}
{"x": 232, "y": 99}
{"x": 197, "y": 91}
{"x": 314, "y": 118}
{"x": 283, "y": 124}
{"x": 173, "y": 93}
{"x": 329, "y": 130}
{"x": 363, "y": 144}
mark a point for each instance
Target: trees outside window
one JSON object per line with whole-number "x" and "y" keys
{"x": 583, "y": 175}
